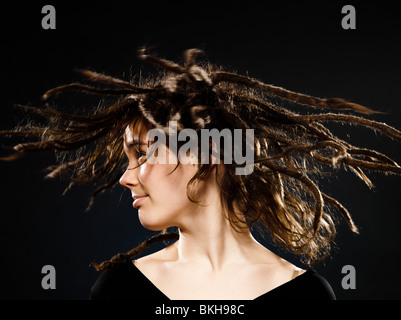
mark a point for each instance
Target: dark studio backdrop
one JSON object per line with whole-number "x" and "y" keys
{"x": 298, "y": 45}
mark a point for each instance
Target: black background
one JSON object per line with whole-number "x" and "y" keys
{"x": 297, "y": 45}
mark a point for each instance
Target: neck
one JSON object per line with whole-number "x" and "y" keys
{"x": 208, "y": 238}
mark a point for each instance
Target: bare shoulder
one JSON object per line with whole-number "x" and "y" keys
{"x": 152, "y": 263}
{"x": 261, "y": 260}
{"x": 259, "y": 271}
{"x": 271, "y": 263}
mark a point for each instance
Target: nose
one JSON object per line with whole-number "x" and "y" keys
{"x": 130, "y": 178}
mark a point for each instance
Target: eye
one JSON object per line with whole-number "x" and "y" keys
{"x": 140, "y": 153}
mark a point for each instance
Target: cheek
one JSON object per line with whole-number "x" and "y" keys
{"x": 167, "y": 188}
{"x": 153, "y": 175}
{"x": 168, "y": 199}
{"x": 145, "y": 173}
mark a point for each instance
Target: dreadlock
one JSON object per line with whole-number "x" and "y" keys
{"x": 292, "y": 150}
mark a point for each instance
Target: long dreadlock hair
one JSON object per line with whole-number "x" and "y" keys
{"x": 292, "y": 150}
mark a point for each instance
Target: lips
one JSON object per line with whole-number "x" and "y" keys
{"x": 138, "y": 200}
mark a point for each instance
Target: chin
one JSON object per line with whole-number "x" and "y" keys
{"x": 152, "y": 224}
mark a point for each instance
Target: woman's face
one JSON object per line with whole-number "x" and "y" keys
{"x": 164, "y": 201}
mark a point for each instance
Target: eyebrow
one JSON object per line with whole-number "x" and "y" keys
{"x": 135, "y": 143}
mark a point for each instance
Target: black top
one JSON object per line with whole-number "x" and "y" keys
{"x": 125, "y": 282}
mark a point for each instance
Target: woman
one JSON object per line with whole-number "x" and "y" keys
{"x": 214, "y": 204}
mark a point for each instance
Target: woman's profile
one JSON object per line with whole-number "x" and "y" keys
{"x": 202, "y": 189}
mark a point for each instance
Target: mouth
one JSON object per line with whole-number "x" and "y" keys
{"x": 138, "y": 200}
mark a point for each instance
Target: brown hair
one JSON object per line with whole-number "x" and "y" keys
{"x": 292, "y": 150}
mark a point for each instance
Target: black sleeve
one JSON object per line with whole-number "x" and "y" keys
{"x": 308, "y": 286}
{"x": 103, "y": 287}
{"x": 318, "y": 288}
{"x": 113, "y": 284}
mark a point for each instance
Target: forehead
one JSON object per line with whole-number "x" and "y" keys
{"x": 128, "y": 135}
{"x": 131, "y": 136}
{"x": 136, "y": 131}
